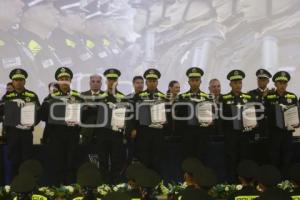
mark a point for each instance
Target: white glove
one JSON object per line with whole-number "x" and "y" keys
{"x": 20, "y": 102}
{"x": 290, "y": 128}
{"x": 72, "y": 124}
{"x": 284, "y": 107}
{"x": 247, "y": 129}
{"x": 111, "y": 105}
{"x": 204, "y": 125}
{"x": 22, "y": 127}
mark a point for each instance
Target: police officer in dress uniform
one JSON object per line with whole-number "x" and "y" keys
{"x": 20, "y": 138}
{"x": 89, "y": 178}
{"x": 294, "y": 177}
{"x": 247, "y": 173}
{"x": 268, "y": 179}
{"x": 237, "y": 142}
{"x": 280, "y": 140}
{"x": 109, "y": 142}
{"x": 149, "y": 140}
{"x": 259, "y": 94}
{"x": 23, "y": 186}
{"x": 195, "y": 138}
{"x": 63, "y": 138}
{"x": 194, "y": 177}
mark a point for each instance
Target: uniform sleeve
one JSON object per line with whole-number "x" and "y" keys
{"x": 44, "y": 109}
{"x": 2, "y": 102}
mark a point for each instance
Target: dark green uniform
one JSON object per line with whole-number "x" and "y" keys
{"x": 280, "y": 141}
{"x": 237, "y": 142}
{"x": 62, "y": 139}
{"x": 149, "y": 140}
{"x": 259, "y": 95}
{"x": 110, "y": 143}
{"x": 19, "y": 141}
{"x": 195, "y": 139}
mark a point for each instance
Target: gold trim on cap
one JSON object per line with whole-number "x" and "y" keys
{"x": 16, "y": 76}
{"x": 281, "y": 78}
{"x": 195, "y": 74}
{"x": 152, "y": 76}
{"x": 236, "y": 77}
{"x": 63, "y": 74}
{"x": 111, "y": 75}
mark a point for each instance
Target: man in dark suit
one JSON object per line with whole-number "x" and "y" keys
{"x": 87, "y": 134}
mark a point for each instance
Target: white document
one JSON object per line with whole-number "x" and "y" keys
{"x": 73, "y": 114}
{"x": 28, "y": 114}
{"x": 158, "y": 113}
{"x": 249, "y": 117}
{"x": 291, "y": 117}
{"x": 118, "y": 118}
{"x": 205, "y": 113}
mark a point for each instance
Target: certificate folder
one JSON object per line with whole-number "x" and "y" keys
{"x": 13, "y": 114}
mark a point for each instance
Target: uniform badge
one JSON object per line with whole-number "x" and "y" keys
{"x": 27, "y": 99}
{"x": 289, "y": 100}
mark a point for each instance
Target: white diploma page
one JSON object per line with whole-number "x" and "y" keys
{"x": 291, "y": 117}
{"x": 205, "y": 113}
{"x": 28, "y": 114}
{"x": 249, "y": 117}
{"x": 73, "y": 113}
{"x": 118, "y": 118}
{"x": 158, "y": 113}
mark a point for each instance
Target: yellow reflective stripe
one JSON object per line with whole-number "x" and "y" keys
{"x": 56, "y": 93}
{"x": 246, "y": 96}
{"x": 281, "y": 78}
{"x": 237, "y": 77}
{"x": 143, "y": 94}
{"x": 103, "y": 95}
{"x": 38, "y": 197}
{"x": 296, "y": 197}
{"x": 186, "y": 95}
{"x": 34, "y": 47}
{"x": 290, "y": 96}
{"x": 119, "y": 96}
{"x": 227, "y": 96}
{"x": 202, "y": 94}
{"x": 271, "y": 96}
{"x": 248, "y": 197}
{"x": 15, "y": 198}
{"x": 194, "y": 75}
{"x": 180, "y": 197}
{"x": 152, "y": 76}
{"x": 11, "y": 95}
{"x": 75, "y": 93}
{"x": 64, "y": 74}
{"x": 112, "y": 76}
{"x": 29, "y": 94}
{"x": 90, "y": 44}
{"x": 70, "y": 43}
{"x": 2, "y": 43}
{"x": 135, "y": 199}
{"x": 18, "y": 76}
{"x": 161, "y": 95}
{"x": 78, "y": 198}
